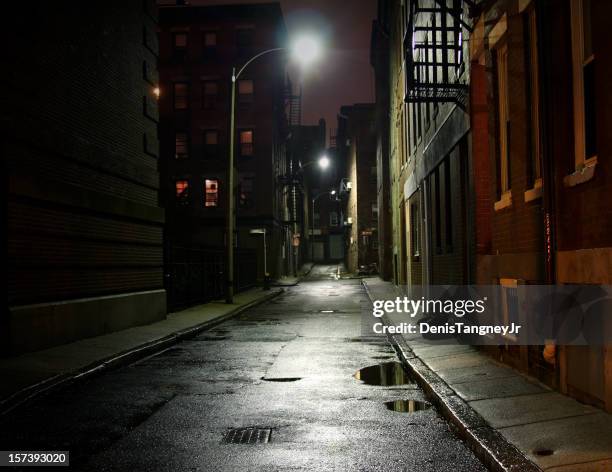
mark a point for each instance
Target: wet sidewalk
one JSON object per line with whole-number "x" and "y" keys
{"x": 556, "y": 432}
{"x": 33, "y": 373}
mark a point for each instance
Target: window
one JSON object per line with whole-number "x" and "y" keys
{"x": 373, "y": 173}
{"x": 181, "y": 92}
{"x": 448, "y": 205}
{"x": 211, "y": 140}
{"x": 415, "y": 232}
{"x": 182, "y": 192}
{"x": 181, "y": 145}
{"x": 437, "y": 211}
{"x": 211, "y": 192}
{"x": 374, "y": 213}
{"x": 245, "y": 193}
{"x": 180, "y": 44}
{"x": 535, "y": 169}
{"x": 245, "y": 91}
{"x": 210, "y": 39}
{"x": 246, "y": 142}
{"x": 316, "y": 220}
{"x": 510, "y": 303}
{"x": 333, "y": 218}
{"x": 244, "y": 39}
{"x": 583, "y": 61}
{"x": 503, "y": 119}
{"x": 210, "y": 91}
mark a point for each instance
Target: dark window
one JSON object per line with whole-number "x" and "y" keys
{"x": 211, "y": 141}
{"x": 181, "y": 145}
{"x": 210, "y": 91}
{"x": 244, "y": 40}
{"x": 246, "y": 142}
{"x": 245, "y": 194}
{"x": 179, "y": 41}
{"x": 245, "y": 91}
{"x": 210, "y": 40}
{"x": 448, "y": 202}
{"x": 182, "y": 192}
{"x": 181, "y": 92}
{"x": 437, "y": 210}
{"x": 590, "y": 123}
{"x": 374, "y": 213}
{"x": 415, "y": 230}
{"x": 333, "y": 218}
{"x": 211, "y": 193}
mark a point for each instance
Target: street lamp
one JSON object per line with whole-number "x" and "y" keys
{"x": 305, "y": 49}
{"x": 314, "y": 199}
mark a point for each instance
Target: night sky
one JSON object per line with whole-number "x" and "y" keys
{"x": 344, "y": 75}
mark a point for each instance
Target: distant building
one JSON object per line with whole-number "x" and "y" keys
{"x": 79, "y": 132}
{"x": 307, "y": 146}
{"x": 359, "y": 187}
{"x": 198, "y": 48}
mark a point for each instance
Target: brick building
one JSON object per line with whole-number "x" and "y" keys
{"x": 79, "y": 127}
{"x": 307, "y": 145}
{"x": 498, "y": 158}
{"x": 361, "y": 212}
{"x": 541, "y": 161}
{"x": 198, "y": 48}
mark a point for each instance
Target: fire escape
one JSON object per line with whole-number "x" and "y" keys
{"x": 434, "y": 51}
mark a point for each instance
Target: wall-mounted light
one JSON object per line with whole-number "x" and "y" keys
{"x": 349, "y": 185}
{"x": 156, "y": 92}
{"x": 349, "y": 220}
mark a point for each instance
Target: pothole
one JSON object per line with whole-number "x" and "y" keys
{"x": 543, "y": 452}
{"x": 385, "y": 374}
{"x": 281, "y": 379}
{"x": 407, "y": 406}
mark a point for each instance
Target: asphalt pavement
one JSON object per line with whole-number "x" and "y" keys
{"x": 272, "y": 389}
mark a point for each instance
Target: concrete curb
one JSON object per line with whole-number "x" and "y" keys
{"x": 297, "y": 282}
{"x": 495, "y": 451}
{"x": 123, "y": 358}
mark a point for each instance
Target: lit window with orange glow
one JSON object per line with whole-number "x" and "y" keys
{"x": 182, "y": 191}
{"x": 211, "y": 192}
{"x": 246, "y": 142}
{"x": 156, "y": 92}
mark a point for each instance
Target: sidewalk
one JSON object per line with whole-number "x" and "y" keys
{"x": 290, "y": 281}
{"x": 31, "y": 374}
{"x": 493, "y": 405}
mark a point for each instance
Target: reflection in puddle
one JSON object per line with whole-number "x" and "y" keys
{"x": 387, "y": 373}
{"x": 407, "y": 406}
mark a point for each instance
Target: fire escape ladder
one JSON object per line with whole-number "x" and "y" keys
{"x": 434, "y": 52}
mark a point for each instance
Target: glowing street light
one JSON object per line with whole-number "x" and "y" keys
{"x": 306, "y": 49}
{"x": 324, "y": 162}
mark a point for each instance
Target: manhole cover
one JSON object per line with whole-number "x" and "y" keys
{"x": 327, "y": 311}
{"x": 386, "y": 374}
{"x": 250, "y": 435}
{"x": 407, "y": 406}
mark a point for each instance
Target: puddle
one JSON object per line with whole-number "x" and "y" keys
{"x": 385, "y": 374}
{"x": 543, "y": 452}
{"x": 281, "y": 379}
{"x": 407, "y": 406}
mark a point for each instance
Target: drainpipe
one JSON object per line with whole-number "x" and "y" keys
{"x": 548, "y": 169}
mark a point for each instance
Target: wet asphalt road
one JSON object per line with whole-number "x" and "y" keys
{"x": 169, "y": 412}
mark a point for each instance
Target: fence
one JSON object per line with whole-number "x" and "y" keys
{"x": 195, "y": 275}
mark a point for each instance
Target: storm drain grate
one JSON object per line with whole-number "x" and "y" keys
{"x": 250, "y": 435}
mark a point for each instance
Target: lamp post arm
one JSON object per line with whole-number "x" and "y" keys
{"x": 235, "y": 76}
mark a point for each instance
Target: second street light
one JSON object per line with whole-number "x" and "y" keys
{"x": 305, "y": 50}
